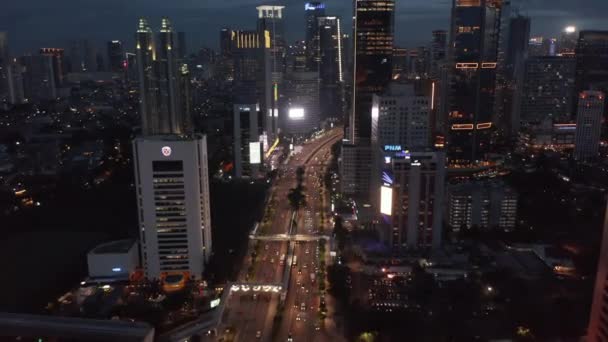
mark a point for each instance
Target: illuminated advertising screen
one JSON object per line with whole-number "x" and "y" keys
{"x": 386, "y": 200}
{"x": 255, "y": 153}
{"x": 296, "y": 113}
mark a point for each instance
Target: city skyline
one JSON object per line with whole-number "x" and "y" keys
{"x": 194, "y": 18}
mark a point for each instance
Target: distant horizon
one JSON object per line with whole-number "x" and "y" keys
{"x": 33, "y": 24}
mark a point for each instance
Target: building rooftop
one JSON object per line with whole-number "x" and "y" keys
{"x": 120, "y": 246}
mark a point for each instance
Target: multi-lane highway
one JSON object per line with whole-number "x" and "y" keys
{"x": 251, "y": 312}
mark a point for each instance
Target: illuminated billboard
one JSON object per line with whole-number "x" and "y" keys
{"x": 386, "y": 200}
{"x": 255, "y": 153}
{"x": 296, "y": 113}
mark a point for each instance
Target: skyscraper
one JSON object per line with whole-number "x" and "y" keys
{"x": 547, "y": 89}
{"x": 403, "y": 118}
{"x": 57, "y": 55}
{"x": 251, "y": 54}
{"x": 592, "y": 62}
{"x": 373, "y": 31}
{"x": 473, "y": 57}
{"x": 302, "y": 102}
{"x": 161, "y": 108}
{"x": 588, "y": 124}
{"x": 438, "y": 51}
{"x": 115, "y": 56}
{"x": 248, "y": 127}
{"x": 270, "y": 18}
{"x": 171, "y": 171}
{"x": 16, "y": 90}
{"x": 412, "y": 192}
{"x": 39, "y": 77}
{"x": 374, "y": 25}
{"x": 4, "y": 64}
{"x": 331, "y": 66}
{"x": 314, "y": 10}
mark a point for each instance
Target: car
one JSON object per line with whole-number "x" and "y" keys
{"x": 289, "y": 338}
{"x": 258, "y": 334}
{"x": 297, "y": 317}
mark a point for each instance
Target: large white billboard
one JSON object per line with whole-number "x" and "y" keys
{"x": 296, "y": 113}
{"x": 386, "y": 200}
{"x": 255, "y": 153}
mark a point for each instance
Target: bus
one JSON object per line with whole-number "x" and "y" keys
{"x": 295, "y": 260}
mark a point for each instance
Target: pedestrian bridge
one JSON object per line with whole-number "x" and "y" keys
{"x": 286, "y": 237}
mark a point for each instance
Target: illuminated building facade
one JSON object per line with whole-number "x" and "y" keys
{"x": 248, "y": 128}
{"x": 39, "y": 77}
{"x": 588, "y": 124}
{"x": 473, "y": 56}
{"x": 302, "y": 102}
{"x": 172, "y": 183}
{"x": 4, "y": 63}
{"x": 314, "y": 10}
{"x": 251, "y": 53}
{"x": 331, "y": 66}
{"x": 482, "y": 204}
{"x": 162, "y": 105}
{"x": 270, "y": 18}
{"x": 547, "y": 89}
{"x": 171, "y": 174}
{"x": 411, "y": 196}
{"x": 373, "y": 49}
{"x": 403, "y": 118}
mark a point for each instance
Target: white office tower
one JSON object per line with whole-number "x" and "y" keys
{"x": 411, "y": 199}
{"x": 173, "y": 198}
{"x": 403, "y": 118}
{"x": 588, "y": 124}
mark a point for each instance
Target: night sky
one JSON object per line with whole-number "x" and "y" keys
{"x": 36, "y": 23}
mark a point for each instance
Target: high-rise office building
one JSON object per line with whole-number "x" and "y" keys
{"x": 403, "y": 119}
{"x": 302, "y": 102}
{"x": 248, "y": 153}
{"x": 116, "y": 56}
{"x": 598, "y": 320}
{"x": 438, "y": 51}
{"x": 270, "y": 18}
{"x": 400, "y": 63}
{"x": 161, "y": 106}
{"x": 411, "y": 198}
{"x": 82, "y": 57}
{"x": 58, "y": 62}
{"x": 16, "y": 90}
{"x": 172, "y": 182}
{"x": 39, "y": 77}
{"x": 473, "y": 53}
{"x": 547, "y": 89}
{"x": 314, "y": 10}
{"x": 225, "y": 41}
{"x": 251, "y": 54}
{"x": 373, "y": 34}
{"x": 567, "y": 41}
{"x": 4, "y": 65}
{"x": 588, "y": 124}
{"x": 374, "y": 25}
{"x": 182, "y": 46}
{"x": 592, "y": 62}
{"x": 331, "y": 66}
{"x": 171, "y": 171}
{"x": 482, "y": 204}
{"x": 510, "y": 71}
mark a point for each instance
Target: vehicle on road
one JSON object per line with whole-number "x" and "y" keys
{"x": 258, "y": 334}
{"x": 303, "y": 306}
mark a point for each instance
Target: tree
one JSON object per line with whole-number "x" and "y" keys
{"x": 300, "y": 175}
{"x": 340, "y": 233}
{"x": 296, "y": 197}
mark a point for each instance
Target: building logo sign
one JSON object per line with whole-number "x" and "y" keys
{"x": 166, "y": 150}
{"x": 392, "y": 148}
